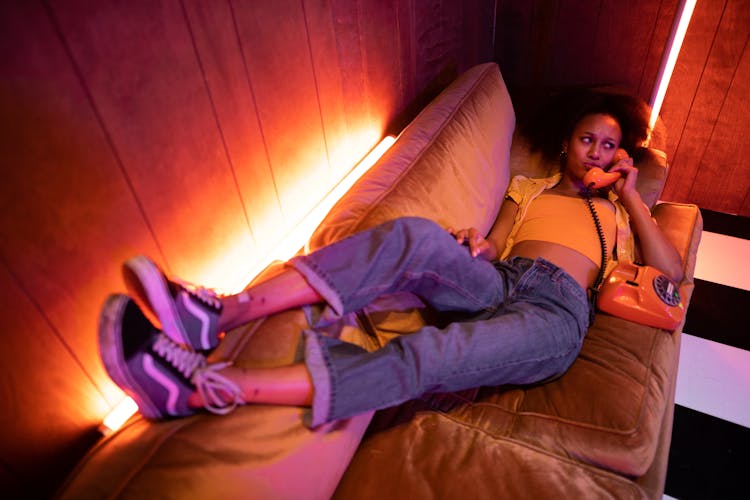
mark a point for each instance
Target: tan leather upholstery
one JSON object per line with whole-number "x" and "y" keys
{"x": 601, "y": 430}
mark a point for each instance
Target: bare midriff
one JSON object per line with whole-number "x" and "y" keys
{"x": 577, "y": 265}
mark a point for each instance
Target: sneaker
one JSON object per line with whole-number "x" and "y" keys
{"x": 157, "y": 373}
{"x": 189, "y": 315}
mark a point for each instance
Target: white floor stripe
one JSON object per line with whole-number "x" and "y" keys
{"x": 724, "y": 259}
{"x": 714, "y": 378}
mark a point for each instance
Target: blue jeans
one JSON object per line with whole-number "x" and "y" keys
{"x": 532, "y": 319}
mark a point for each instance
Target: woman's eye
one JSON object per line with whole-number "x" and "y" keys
{"x": 586, "y": 140}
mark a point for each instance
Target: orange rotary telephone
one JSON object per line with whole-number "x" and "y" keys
{"x": 641, "y": 294}
{"x": 635, "y": 292}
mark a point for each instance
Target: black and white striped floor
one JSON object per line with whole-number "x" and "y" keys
{"x": 710, "y": 452}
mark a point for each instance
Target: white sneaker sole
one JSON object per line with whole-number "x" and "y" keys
{"x": 113, "y": 355}
{"x": 147, "y": 285}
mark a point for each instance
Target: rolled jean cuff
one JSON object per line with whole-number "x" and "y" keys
{"x": 319, "y": 373}
{"x": 317, "y": 280}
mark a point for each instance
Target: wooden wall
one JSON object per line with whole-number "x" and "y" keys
{"x": 551, "y": 43}
{"x": 548, "y": 43}
{"x": 188, "y": 130}
{"x": 706, "y": 110}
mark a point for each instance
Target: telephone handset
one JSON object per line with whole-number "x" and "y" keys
{"x": 597, "y": 178}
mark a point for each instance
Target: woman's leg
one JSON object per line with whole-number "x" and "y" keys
{"x": 283, "y": 291}
{"x": 535, "y": 335}
{"x": 284, "y": 385}
{"x": 409, "y": 254}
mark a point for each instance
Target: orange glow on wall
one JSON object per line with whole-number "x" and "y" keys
{"x": 234, "y": 269}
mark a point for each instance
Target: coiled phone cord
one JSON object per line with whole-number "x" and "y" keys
{"x": 594, "y": 289}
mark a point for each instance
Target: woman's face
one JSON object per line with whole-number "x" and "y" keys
{"x": 593, "y": 143}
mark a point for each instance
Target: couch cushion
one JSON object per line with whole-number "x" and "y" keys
{"x": 436, "y": 456}
{"x": 448, "y": 165}
{"x": 605, "y": 411}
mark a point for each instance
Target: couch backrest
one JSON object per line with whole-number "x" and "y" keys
{"x": 449, "y": 165}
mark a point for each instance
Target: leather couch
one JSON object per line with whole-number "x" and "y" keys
{"x": 601, "y": 430}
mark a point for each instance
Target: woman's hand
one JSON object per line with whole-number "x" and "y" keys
{"x": 626, "y": 186}
{"x": 656, "y": 249}
{"x": 477, "y": 244}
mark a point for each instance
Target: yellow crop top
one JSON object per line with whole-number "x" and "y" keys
{"x": 566, "y": 220}
{"x": 524, "y": 190}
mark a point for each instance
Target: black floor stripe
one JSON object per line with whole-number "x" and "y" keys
{"x": 709, "y": 457}
{"x": 730, "y": 225}
{"x": 719, "y": 313}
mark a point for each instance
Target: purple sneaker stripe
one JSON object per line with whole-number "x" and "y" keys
{"x": 201, "y": 316}
{"x": 172, "y": 389}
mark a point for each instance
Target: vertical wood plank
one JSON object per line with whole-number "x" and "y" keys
{"x": 407, "y": 54}
{"x": 517, "y": 47}
{"x": 221, "y": 57}
{"x": 701, "y": 97}
{"x": 686, "y": 78}
{"x": 623, "y": 34}
{"x": 277, "y": 55}
{"x": 665, "y": 18}
{"x": 351, "y": 61}
{"x": 342, "y": 144}
{"x": 380, "y": 50}
{"x": 722, "y": 180}
{"x": 573, "y": 43}
{"x": 435, "y": 45}
{"x": 478, "y": 22}
{"x": 139, "y": 62}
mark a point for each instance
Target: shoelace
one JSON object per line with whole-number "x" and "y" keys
{"x": 203, "y": 294}
{"x": 186, "y": 362}
{"x": 219, "y": 394}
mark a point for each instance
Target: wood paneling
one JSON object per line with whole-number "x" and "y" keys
{"x": 550, "y": 43}
{"x": 138, "y": 62}
{"x": 705, "y": 109}
{"x": 185, "y": 130}
{"x": 220, "y": 53}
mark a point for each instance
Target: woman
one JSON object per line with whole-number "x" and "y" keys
{"x": 525, "y": 284}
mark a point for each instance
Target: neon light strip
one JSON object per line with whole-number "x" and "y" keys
{"x": 675, "y": 44}
{"x": 283, "y": 251}
{"x": 296, "y": 239}
{"x": 118, "y": 416}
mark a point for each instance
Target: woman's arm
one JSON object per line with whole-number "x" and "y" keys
{"x": 656, "y": 249}
{"x": 492, "y": 246}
